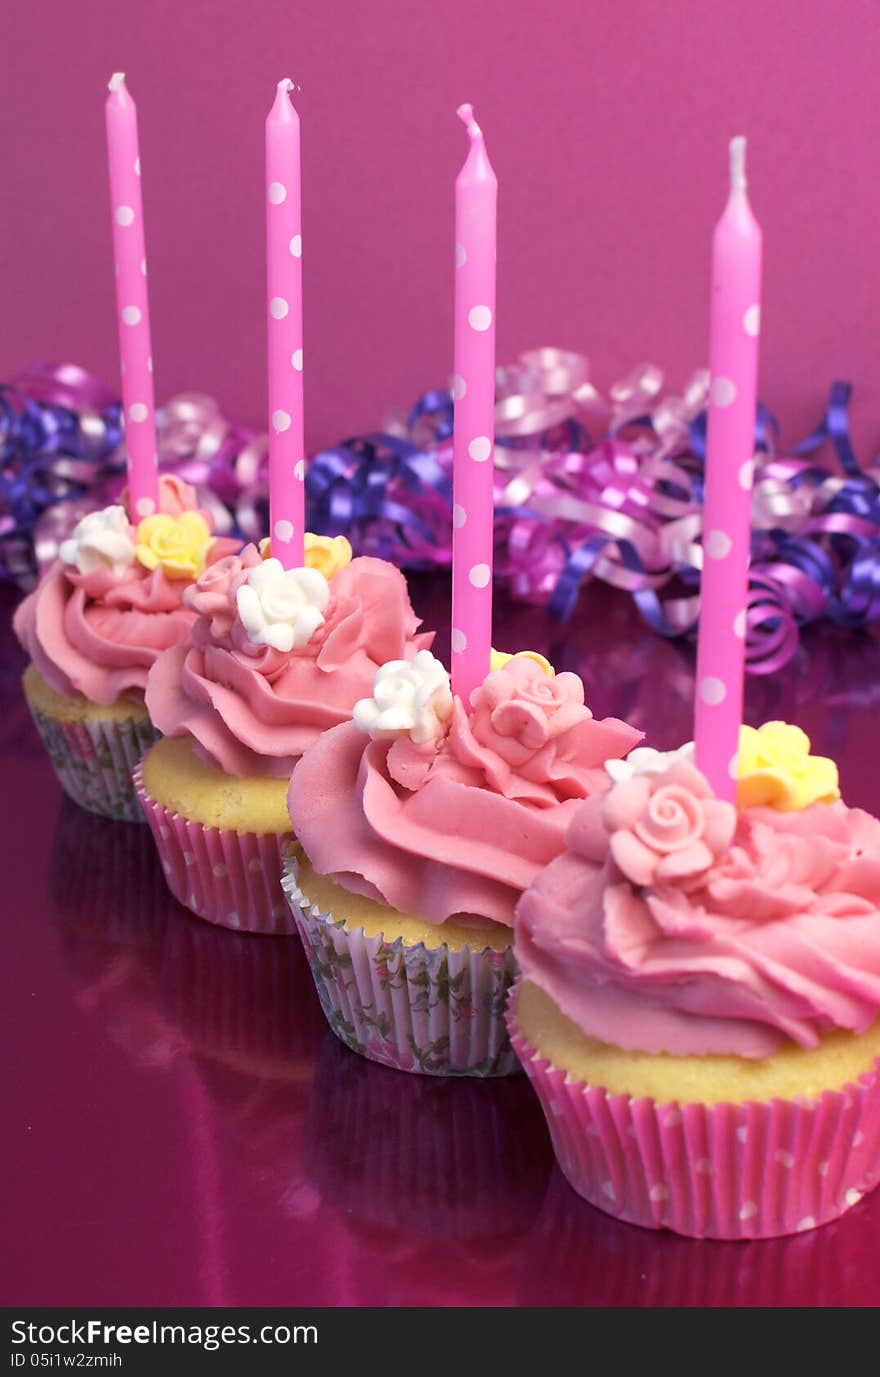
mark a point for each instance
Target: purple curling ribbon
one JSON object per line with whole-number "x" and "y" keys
{"x": 586, "y": 488}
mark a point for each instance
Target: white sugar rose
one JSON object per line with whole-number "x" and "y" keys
{"x": 101, "y": 540}
{"x": 410, "y": 698}
{"x": 282, "y": 608}
{"x": 644, "y": 760}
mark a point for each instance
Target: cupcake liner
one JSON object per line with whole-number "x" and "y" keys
{"x": 415, "y": 1008}
{"x": 734, "y": 1171}
{"x": 94, "y": 761}
{"x": 226, "y": 877}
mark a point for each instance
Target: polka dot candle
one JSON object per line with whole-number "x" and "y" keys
{"x": 132, "y": 310}
{"x": 733, "y": 365}
{"x": 285, "y": 330}
{"x": 473, "y": 391}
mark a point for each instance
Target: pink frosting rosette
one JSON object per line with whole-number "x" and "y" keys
{"x": 97, "y": 633}
{"x": 463, "y": 823}
{"x": 253, "y": 709}
{"x": 675, "y": 923}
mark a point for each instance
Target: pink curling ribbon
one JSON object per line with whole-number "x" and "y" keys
{"x": 587, "y": 488}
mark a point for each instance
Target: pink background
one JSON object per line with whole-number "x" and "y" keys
{"x": 607, "y": 122}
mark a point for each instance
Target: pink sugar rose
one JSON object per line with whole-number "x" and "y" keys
{"x": 533, "y": 737}
{"x": 520, "y": 708}
{"x": 667, "y": 828}
{"x": 212, "y": 596}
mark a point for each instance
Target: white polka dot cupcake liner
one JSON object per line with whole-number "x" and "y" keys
{"x": 95, "y": 761}
{"x": 229, "y": 878}
{"x": 727, "y": 1171}
{"x": 429, "y": 1010}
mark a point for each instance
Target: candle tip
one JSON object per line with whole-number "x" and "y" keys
{"x": 466, "y": 115}
{"x": 116, "y": 82}
{"x": 282, "y": 107}
{"x": 738, "y": 163}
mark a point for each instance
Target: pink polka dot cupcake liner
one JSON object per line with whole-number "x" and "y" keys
{"x": 95, "y": 761}
{"x": 727, "y": 1171}
{"x": 229, "y": 878}
{"x": 429, "y": 1010}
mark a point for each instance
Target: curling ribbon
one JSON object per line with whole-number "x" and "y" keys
{"x": 586, "y": 487}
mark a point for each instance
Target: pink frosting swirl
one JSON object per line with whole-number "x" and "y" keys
{"x": 98, "y": 634}
{"x": 252, "y": 709}
{"x": 763, "y": 929}
{"x": 462, "y": 826}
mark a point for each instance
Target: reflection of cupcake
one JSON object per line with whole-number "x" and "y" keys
{"x": 577, "y": 1256}
{"x": 107, "y": 879}
{"x": 245, "y": 1001}
{"x": 94, "y": 626}
{"x": 111, "y": 906}
{"x": 276, "y": 658}
{"x": 417, "y": 841}
{"x": 699, "y": 997}
{"x": 470, "y": 1160}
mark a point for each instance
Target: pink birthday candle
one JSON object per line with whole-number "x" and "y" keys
{"x": 473, "y": 391}
{"x": 284, "y": 299}
{"x": 730, "y": 447}
{"x": 132, "y": 307}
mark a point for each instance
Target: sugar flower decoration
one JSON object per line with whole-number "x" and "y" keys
{"x": 282, "y": 608}
{"x": 499, "y": 658}
{"x": 101, "y": 540}
{"x": 327, "y": 554}
{"x": 411, "y": 698}
{"x": 644, "y": 760}
{"x": 179, "y": 544}
{"x": 667, "y": 829}
{"x": 776, "y": 769}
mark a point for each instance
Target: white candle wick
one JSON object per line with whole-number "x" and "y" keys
{"x": 738, "y": 163}
{"x": 285, "y": 84}
{"x": 466, "y": 115}
{"x": 116, "y": 82}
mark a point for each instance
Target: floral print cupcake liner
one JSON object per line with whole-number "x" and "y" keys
{"x": 430, "y": 1010}
{"x": 228, "y": 878}
{"x": 95, "y": 761}
{"x": 731, "y": 1171}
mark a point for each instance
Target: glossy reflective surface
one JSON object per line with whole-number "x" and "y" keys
{"x": 181, "y": 1129}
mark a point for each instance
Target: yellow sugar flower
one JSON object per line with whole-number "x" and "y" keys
{"x": 178, "y": 543}
{"x": 327, "y": 554}
{"x": 776, "y": 769}
{"x": 498, "y": 659}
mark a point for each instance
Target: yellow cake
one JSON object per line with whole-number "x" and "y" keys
{"x": 64, "y": 708}
{"x": 792, "y": 1073}
{"x": 179, "y": 779}
{"x": 357, "y": 912}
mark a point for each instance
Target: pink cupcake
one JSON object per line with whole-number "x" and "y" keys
{"x": 699, "y": 995}
{"x": 420, "y": 825}
{"x": 275, "y": 659}
{"x": 94, "y": 626}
